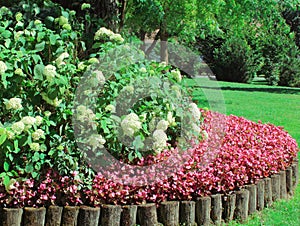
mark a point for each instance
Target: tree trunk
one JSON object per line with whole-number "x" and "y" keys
{"x": 216, "y": 209}
{"x": 164, "y": 56}
{"x": 268, "y": 192}
{"x": 252, "y": 198}
{"x": 11, "y": 216}
{"x": 275, "y": 187}
{"x": 187, "y": 213}
{"x": 283, "y": 192}
{"x": 203, "y": 207}
{"x": 260, "y": 195}
{"x": 128, "y": 215}
{"x": 69, "y": 216}
{"x": 147, "y": 215}
{"x": 34, "y": 216}
{"x": 228, "y": 204}
{"x": 110, "y": 215}
{"x": 289, "y": 181}
{"x": 241, "y": 206}
{"x": 168, "y": 213}
{"x": 88, "y": 216}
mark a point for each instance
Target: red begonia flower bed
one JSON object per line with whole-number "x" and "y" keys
{"x": 237, "y": 152}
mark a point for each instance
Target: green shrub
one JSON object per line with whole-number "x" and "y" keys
{"x": 234, "y": 61}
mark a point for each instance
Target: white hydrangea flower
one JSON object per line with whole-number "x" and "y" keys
{"x": 34, "y": 146}
{"x": 103, "y": 33}
{"x": 18, "y": 127}
{"x": 49, "y": 72}
{"x": 129, "y": 89}
{"x": 131, "y": 124}
{"x": 19, "y": 71}
{"x": 38, "y": 134}
{"x": 177, "y": 90}
{"x": 28, "y": 120}
{"x": 38, "y": 120}
{"x": 10, "y": 135}
{"x": 19, "y": 16}
{"x": 110, "y": 108}
{"x": 162, "y": 125}
{"x": 160, "y": 140}
{"x": 195, "y": 128}
{"x": 3, "y": 67}
{"x": 176, "y": 75}
{"x": 116, "y": 38}
{"x": 13, "y": 103}
{"x": 171, "y": 119}
{"x": 97, "y": 78}
{"x": 36, "y": 22}
{"x": 143, "y": 70}
{"x": 196, "y": 114}
{"x": 96, "y": 140}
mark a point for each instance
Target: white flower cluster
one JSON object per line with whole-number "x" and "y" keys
{"x": 28, "y": 121}
{"x": 104, "y": 33}
{"x": 38, "y": 134}
{"x": 162, "y": 125}
{"x": 176, "y": 75}
{"x": 13, "y": 103}
{"x": 96, "y": 140}
{"x": 171, "y": 119}
{"x": 84, "y": 114}
{"x": 110, "y": 108}
{"x": 97, "y": 78}
{"x": 131, "y": 124}
{"x": 3, "y": 67}
{"x": 49, "y": 72}
{"x": 196, "y": 114}
{"x": 160, "y": 140}
{"x": 34, "y": 146}
{"x": 18, "y": 127}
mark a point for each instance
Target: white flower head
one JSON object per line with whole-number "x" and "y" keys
{"x": 49, "y": 72}
{"x": 110, "y": 108}
{"x": 97, "y": 78}
{"x": 60, "y": 60}
{"x": 171, "y": 119}
{"x": 129, "y": 89}
{"x": 34, "y": 146}
{"x": 116, "y": 38}
{"x": 131, "y": 124}
{"x": 160, "y": 140}
{"x": 162, "y": 125}
{"x": 38, "y": 120}
{"x": 196, "y": 114}
{"x": 103, "y": 33}
{"x": 38, "y": 134}
{"x": 28, "y": 120}
{"x": 18, "y": 127}
{"x": 96, "y": 140}
{"x": 176, "y": 75}
{"x": 143, "y": 70}
{"x": 3, "y": 67}
{"x": 19, "y": 71}
{"x": 13, "y": 103}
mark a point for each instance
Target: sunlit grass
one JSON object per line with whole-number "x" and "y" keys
{"x": 276, "y": 105}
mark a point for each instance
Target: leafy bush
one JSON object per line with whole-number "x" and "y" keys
{"x": 234, "y": 61}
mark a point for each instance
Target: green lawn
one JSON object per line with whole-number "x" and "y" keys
{"x": 277, "y": 105}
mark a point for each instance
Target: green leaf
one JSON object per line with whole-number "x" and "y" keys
{"x": 6, "y": 181}
{"x": 29, "y": 168}
{"x": 40, "y": 46}
{"x": 38, "y": 72}
{"x": 53, "y": 38}
{"x": 36, "y": 157}
{"x": 6, "y": 166}
{"x": 36, "y": 58}
{"x": 2, "y": 138}
{"x": 6, "y": 34}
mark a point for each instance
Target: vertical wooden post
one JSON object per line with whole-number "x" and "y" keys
{"x": 128, "y": 215}
{"x": 241, "y": 205}
{"x": 69, "y": 216}
{"x": 187, "y": 213}
{"x": 34, "y": 216}
{"x": 147, "y": 215}
{"x": 88, "y": 216}
{"x": 283, "y": 192}
{"x": 289, "y": 181}
{"x": 11, "y": 216}
{"x": 260, "y": 192}
{"x": 228, "y": 203}
{"x": 268, "y": 192}
{"x": 168, "y": 213}
{"x": 54, "y": 215}
{"x": 216, "y": 209}
{"x": 275, "y": 187}
{"x": 295, "y": 168}
{"x": 252, "y": 198}
{"x": 203, "y": 208}
{"x": 110, "y": 215}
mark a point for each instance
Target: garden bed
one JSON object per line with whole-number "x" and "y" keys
{"x": 205, "y": 210}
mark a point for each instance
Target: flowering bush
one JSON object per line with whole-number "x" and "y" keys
{"x": 249, "y": 151}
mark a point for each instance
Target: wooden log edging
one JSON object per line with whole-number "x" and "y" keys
{"x": 206, "y": 210}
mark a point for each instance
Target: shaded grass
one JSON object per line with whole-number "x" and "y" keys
{"x": 277, "y": 105}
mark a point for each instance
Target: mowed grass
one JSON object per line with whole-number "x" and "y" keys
{"x": 277, "y": 105}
